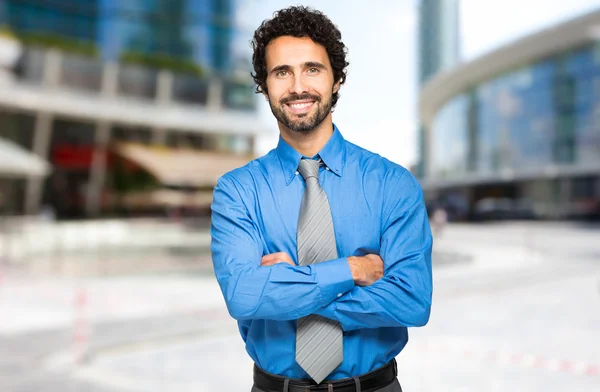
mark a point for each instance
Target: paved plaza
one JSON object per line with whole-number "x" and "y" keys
{"x": 516, "y": 307}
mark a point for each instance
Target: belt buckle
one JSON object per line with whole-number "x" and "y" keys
{"x": 329, "y": 387}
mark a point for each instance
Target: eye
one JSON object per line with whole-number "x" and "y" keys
{"x": 313, "y": 70}
{"x": 281, "y": 73}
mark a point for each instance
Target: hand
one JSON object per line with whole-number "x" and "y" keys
{"x": 366, "y": 270}
{"x": 275, "y": 258}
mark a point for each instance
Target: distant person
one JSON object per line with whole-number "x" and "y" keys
{"x": 322, "y": 249}
{"x": 47, "y": 213}
{"x": 439, "y": 219}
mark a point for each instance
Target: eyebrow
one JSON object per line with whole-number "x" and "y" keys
{"x": 314, "y": 64}
{"x": 281, "y": 68}
{"x": 308, "y": 64}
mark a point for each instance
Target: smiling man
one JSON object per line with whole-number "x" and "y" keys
{"x": 322, "y": 249}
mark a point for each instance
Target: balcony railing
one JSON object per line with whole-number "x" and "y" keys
{"x": 190, "y": 89}
{"x": 136, "y": 81}
{"x": 57, "y": 69}
{"x": 81, "y": 73}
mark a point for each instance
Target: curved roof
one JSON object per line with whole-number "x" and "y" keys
{"x": 558, "y": 38}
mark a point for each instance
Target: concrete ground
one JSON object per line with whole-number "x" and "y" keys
{"x": 515, "y": 308}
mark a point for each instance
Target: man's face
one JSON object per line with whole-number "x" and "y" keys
{"x": 299, "y": 82}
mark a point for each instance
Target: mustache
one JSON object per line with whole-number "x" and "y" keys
{"x": 296, "y": 97}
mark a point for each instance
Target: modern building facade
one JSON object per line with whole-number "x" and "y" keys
{"x": 439, "y": 36}
{"x": 438, "y": 49}
{"x": 517, "y": 131}
{"x": 112, "y": 92}
{"x": 197, "y": 30}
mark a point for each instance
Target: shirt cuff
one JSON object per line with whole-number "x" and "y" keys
{"x": 334, "y": 279}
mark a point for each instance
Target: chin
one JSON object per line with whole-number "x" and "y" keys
{"x": 300, "y": 128}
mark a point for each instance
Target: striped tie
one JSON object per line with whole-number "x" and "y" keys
{"x": 319, "y": 345}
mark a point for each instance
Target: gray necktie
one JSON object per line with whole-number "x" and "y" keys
{"x": 319, "y": 345}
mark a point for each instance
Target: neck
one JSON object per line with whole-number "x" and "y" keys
{"x": 308, "y": 143}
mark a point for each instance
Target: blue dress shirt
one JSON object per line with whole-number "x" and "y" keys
{"x": 377, "y": 207}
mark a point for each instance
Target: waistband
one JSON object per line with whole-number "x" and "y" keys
{"x": 367, "y": 382}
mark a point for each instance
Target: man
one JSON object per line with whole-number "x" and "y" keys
{"x": 322, "y": 249}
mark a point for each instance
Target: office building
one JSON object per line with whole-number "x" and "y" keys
{"x": 438, "y": 49}
{"x": 516, "y": 132}
{"x": 93, "y": 87}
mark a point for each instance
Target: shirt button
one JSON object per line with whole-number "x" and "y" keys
{"x": 297, "y": 172}
{"x": 339, "y": 295}
{"x": 327, "y": 168}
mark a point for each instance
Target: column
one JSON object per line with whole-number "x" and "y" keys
{"x": 41, "y": 145}
{"x": 251, "y": 145}
{"x": 564, "y": 197}
{"x": 428, "y": 149}
{"x": 215, "y": 94}
{"x": 164, "y": 93}
{"x": 110, "y": 75}
{"x": 98, "y": 169}
{"x": 52, "y": 67}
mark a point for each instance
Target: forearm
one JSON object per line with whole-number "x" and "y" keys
{"x": 402, "y": 297}
{"x": 282, "y": 291}
{"x": 252, "y": 291}
{"x": 396, "y": 300}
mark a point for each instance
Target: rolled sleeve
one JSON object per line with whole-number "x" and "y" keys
{"x": 334, "y": 279}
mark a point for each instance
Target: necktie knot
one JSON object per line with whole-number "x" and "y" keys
{"x": 309, "y": 168}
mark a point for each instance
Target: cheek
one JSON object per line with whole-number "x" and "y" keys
{"x": 276, "y": 91}
{"x": 322, "y": 87}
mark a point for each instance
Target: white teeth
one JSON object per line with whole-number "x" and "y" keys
{"x": 300, "y": 105}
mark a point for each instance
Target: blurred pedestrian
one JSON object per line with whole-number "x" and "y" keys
{"x": 439, "y": 219}
{"x": 322, "y": 249}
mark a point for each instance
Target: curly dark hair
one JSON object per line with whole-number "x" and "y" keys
{"x": 299, "y": 21}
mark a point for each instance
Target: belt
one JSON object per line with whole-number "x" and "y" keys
{"x": 368, "y": 382}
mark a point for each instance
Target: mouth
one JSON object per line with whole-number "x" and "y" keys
{"x": 300, "y": 107}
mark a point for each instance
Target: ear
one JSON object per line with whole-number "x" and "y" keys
{"x": 265, "y": 93}
{"x": 336, "y": 87}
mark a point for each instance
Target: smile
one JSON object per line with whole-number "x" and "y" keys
{"x": 300, "y": 107}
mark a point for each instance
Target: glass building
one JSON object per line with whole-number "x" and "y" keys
{"x": 197, "y": 30}
{"x": 516, "y": 133}
{"x": 109, "y": 92}
{"x": 439, "y": 41}
{"x": 76, "y": 19}
{"x": 438, "y": 49}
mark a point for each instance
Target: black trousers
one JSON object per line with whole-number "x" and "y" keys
{"x": 393, "y": 387}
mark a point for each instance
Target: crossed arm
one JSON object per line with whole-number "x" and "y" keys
{"x": 365, "y": 270}
{"x": 386, "y": 290}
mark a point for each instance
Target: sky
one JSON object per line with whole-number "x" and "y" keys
{"x": 378, "y": 103}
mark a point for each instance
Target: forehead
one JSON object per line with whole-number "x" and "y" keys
{"x": 294, "y": 51}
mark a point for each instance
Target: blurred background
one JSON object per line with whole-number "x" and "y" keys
{"x": 117, "y": 118}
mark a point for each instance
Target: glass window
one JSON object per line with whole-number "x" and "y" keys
{"x": 515, "y": 119}
{"x": 450, "y": 139}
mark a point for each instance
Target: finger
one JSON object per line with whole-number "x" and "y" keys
{"x": 284, "y": 256}
{"x": 281, "y": 255}
{"x": 270, "y": 263}
{"x": 278, "y": 256}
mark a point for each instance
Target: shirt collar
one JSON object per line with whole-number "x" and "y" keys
{"x": 332, "y": 154}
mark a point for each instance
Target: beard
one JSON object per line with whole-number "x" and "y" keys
{"x": 305, "y": 122}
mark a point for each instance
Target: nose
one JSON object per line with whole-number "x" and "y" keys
{"x": 298, "y": 86}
